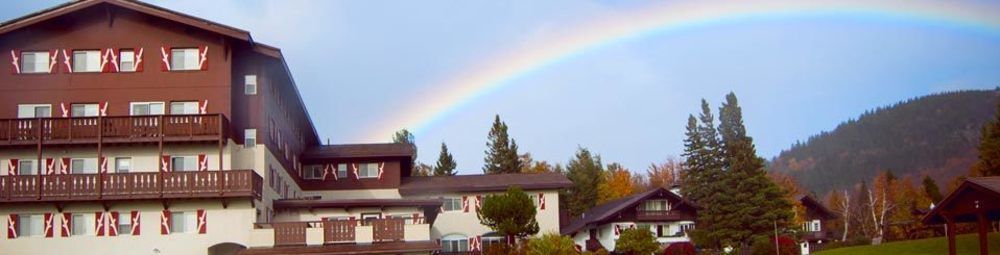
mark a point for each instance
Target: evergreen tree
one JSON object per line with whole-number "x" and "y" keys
{"x": 752, "y": 202}
{"x": 509, "y": 214}
{"x": 403, "y": 136}
{"x": 501, "y": 153}
{"x": 701, "y": 179}
{"x": 989, "y": 148}
{"x": 585, "y": 171}
{"x": 446, "y": 163}
{"x": 931, "y": 189}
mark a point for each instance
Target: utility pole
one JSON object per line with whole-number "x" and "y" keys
{"x": 777, "y": 249}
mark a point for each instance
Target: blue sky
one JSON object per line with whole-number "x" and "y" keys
{"x": 629, "y": 101}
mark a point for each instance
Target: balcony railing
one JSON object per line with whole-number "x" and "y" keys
{"x": 814, "y": 235}
{"x": 342, "y": 231}
{"x": 657, "y": 215}
{"x": 124, "y": 186}
{"x": 113, "y": 129}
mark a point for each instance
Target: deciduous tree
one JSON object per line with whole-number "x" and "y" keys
{"x": 635, "y": 241}
{"x": 552, "y": 243}
{"x": 616, "y": 183}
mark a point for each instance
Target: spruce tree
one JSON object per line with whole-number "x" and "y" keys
{"x": 584, "y": 170}
{"x": 501, "y": 153}
{"x": 931, "y": 189}
{"x": 989, "y": 148}
{"x": 445, "y": 164}
{"x": 702, "y": 182}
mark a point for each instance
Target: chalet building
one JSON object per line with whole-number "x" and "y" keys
{"x": 126, "y": 128}
{"x": 661, "y": 211}
{"x": 814, "y": 232}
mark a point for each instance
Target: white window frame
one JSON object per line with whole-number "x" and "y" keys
{"x": 29, "y": 111}
{"x": 368, "y": 170}
{"x": 342, "y": 170}
{"x": 249, "y": 138}
{"x": 89, "y": 110}
{"x": 83, "y": 229}
{"x": 250, "y": 84}
{"x": 313, "y": 172}
{"x": 127, "y": 163}
{"x": 189, "y": 57}
{"x": 149, "y": 105}
{"x": 87, "y": 165}
{"x": 125, "y": 223}
{"x": 30, "y": 225}
{"x": 32, "y": 170}
{"x": 455, "y": 243}
{"x": 91, "y": 61}
{"x": 186, "y": 107}
{"x": 452, "y": 204}
{"x": 179, "y": 222}
{"x": 126, "y": 64}
{"x": 656, "y": 204}
{"x": 41, "y": 64}
{"x": 185, "y": 167}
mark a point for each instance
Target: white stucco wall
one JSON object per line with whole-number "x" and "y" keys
{"x": 467, "y": 224}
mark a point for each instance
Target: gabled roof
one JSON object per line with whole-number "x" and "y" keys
{"x": 608, "y": 210}
{"x": 481, "y": 182}
{"x": 810, "y": 202}
{"x": 989, "y": 186}
{"x": 359, "y": 151}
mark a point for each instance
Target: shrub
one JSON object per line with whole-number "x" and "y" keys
{"x": 551, "y": 243}
{"x": 636, "y": 241}
{"x": 680, "y": 249}
{"x": 598, "y": 252}
{"x": 502, "y": 249}
{"x": 765, "y": 246}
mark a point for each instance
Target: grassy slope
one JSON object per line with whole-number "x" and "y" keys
{"x": 967, "y": 244}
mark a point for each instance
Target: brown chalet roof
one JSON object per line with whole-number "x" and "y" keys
{"x": 610, "y": 209}
{"x": 811, "y": 202}
{"x": 984, "y": 190}
{"x": 359, "y": 151}
{"x": 482, "y": 182}
{"x": 348, "y": 203}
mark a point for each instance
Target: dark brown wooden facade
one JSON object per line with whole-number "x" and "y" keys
{"x": 976, "y": 200}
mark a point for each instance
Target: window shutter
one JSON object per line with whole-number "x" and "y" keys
{"x": 202, "y": 162}
{"x": 65, "y": 111}
{"x": 202, "y": 221}
{"x": 203, "y": 57}
{"x": 99, "y": 223}
{"x": 479, "y": 202}
{"x": 135, "y": 223}
{"x": 381, "y": 165}
{"x": 114, "y": 60}
{"x": 103, "y": 165}
{"x": 67, "y": 221}
{"x": 68, "y": 59}
{"x": 165, "y": 222}
{"x": 138, "y": 60}
{"x": 50, "y": 166}
{"x": 355, "y": 168}
{"x": 105, "y": 61}
{"x": 165, "y": 58}
{"x": 12, "y": 166}
{"x": 15, "y": 61}
{"x": 541, "y": 201}
{"x": 48, "y": 225}
{"x": 465, "y": 204}
{"x": 12, "y": 226}
{"x": 203, "y": 107}
{"x": 113, "y": 223}
{"x": 53, "y": 58}
{"x": 165, "y": 163}
{"x": 103, "y": 108}
{"x": 64, "y": 167}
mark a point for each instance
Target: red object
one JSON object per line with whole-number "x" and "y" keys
{"x": 135, "y": 223}
{"x": 683, "y": 248}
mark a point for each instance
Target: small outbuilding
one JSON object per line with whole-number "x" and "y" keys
{"x": 976, "y": 200}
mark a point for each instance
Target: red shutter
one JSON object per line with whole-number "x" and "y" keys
{"x": 138, "y": 60}
{"x": 202, "y": 221}
{"x": 541, "y": 201}
{"x": 203, "y": 57}
{"x": 53, "y": 59}
{"x": 64, "y": 167}
{"x": 203, "y": 107}
{"x": 50, "y": 166}
{"x": 135, "y": 223}
{"x": 165, "y": 222}
{"x": 65, "y": 111}
{"x": 103, "y": 108}
{"x": 106, "y": 61}
{"x": 416, "y": 218}
{"x": 48, "y": 225}
{"x": 165, "y": 163}
{"x": 479, "y": 202}
{"x": 114, "y": 60}
{"x": 465, "y": 204}
{"x": 12, "y": 166}
{"x": 15, "y": 61}
{"x": 202, "y": 162}
{"x": 113, "y": 224}
{"x": 68, "y": 59}
{"x": 102, "y": 166}
{"x": 165, "y": 58}
{"x": 67, "y": 221}
{"x": 355, "y": 168}
{"x": 99, "y": 223}
{"x": 12, "y": 226}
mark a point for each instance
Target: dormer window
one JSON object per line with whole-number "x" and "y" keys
{"x": 656, "y": 205}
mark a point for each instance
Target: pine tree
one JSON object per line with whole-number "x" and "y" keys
{"x": 989, "y": 148}
{"x": 585, "y": 171}
{"x": 445, "y": 164}
{"x": 931, "y": 189}
{"x": 501, "y": 153}
{"x": 702, "y": 183}
{"x": 753, "y": 203}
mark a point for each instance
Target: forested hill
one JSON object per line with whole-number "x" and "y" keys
{"x": 935, "y": 135}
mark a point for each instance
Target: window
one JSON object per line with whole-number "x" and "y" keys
{"x": 368, "y": 170}
{"x": 125, "y": 223}
{"x": 341, "y": 170}
{"x": 183, "y": 163}
{"x": 249, "y": 138}
{"x": 29, "y": 225}
{"x": 454, "y": 243}
{"x": 26, "y": 167}
{"x": 250, "y": 85}
{"x": 184, "y": 59}
{"x": 181, "y": 108}
{"x": 35, "y": 62}
{"x": 367, "y": 217}
{"x": 84, "y": 110}
{"x": 126, "y": 60}
{"x": 85, "y": 61}
{"x": 178, "y": 222}
{"x": 80, "y": 223}
{"x": 123, "y": 165}
{"x": 26, "y": 111}
{"x": 452, "y": 204}
{"x": 656, "y": 205}
{"x": 313, "y": 172}
{"x": 83, "y": 165}
{"x": 146, "y": 108}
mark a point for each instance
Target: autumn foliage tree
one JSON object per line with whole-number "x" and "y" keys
{"x": 615, "y": 183}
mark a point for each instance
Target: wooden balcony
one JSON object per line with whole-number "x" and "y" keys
{"x": 113, "y": 129}
{"x": 658, "y": 215}
{"x": 815, "y": 235}
{"x": 128, "y": 186}
{"x": 335, "y": 232}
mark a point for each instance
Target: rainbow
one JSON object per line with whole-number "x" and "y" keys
{"x": 496, "y": 71}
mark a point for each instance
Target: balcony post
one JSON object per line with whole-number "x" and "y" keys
{"x": 38, "y": 122}
{"x": 100, "y": 154}
{"x": 222, "y": 176}
{"x": 159, "y": 159}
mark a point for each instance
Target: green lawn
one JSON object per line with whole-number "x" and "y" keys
{"x": 967, "y": 244}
